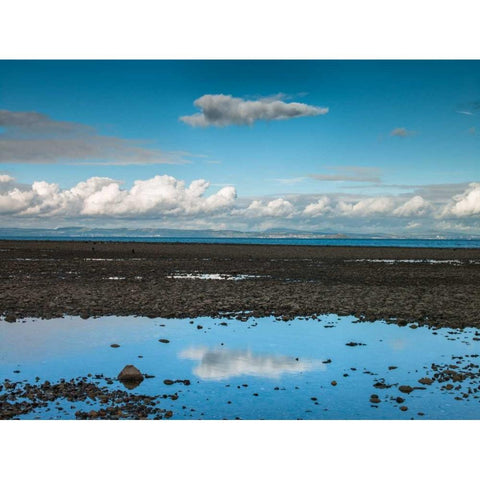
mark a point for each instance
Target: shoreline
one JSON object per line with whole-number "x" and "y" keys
{"x": 50, "y": 278}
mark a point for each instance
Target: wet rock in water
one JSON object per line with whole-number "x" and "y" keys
{"x": 355, "y": 344}
{"x": 164, "y": 340}
{"x": 130, "y": 376}
{"x": 168, "y": 382}
{"x": 405, "y": 388}
{"x": 10, "y": 318}
{"x": 84, "y": 316}
{"x": 115, "y": 345}
{"x": 333, "y": 383}
{"x": 374, "y": 398}
{"x": 392, "y": 367}
{"x": 168, "y": 414}
{"x": 329, "y": 360}
{"x": 426, "y": 381}
{"x": 199, "y": 327}
{"x": 403, "y": 408}
{"x": 399, "y": 400}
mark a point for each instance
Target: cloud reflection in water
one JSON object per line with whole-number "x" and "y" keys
{"x": 220, "y": 364}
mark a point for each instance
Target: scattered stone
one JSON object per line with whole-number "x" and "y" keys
{"x": 130, "y": 376}
{"x": 403, "y": 408}
{"x": 115, "y": 345}
{"x": 405, "y": 388}
{"x": 164, "y": 340}
{"x": 333, "y": 383}
{"x": 426, "y": 381}
{"x": 355, "y": 344}
{"x": 10, "y": 318}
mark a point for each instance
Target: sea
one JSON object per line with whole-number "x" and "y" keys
{"x": 321, "y": 242}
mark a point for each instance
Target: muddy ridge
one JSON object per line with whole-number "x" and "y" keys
{"x": 436, "y": 287}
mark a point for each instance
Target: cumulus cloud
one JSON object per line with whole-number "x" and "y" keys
{"x": 159, "y": 196}
{"x": 274, "y": 208}
{"x": 367, "y": 206}
{"x": 416, "y": 206}
{"x": 465, "y": 204}
{"x": 222, "y": 110}
{"x": 402, "y": 132}
{"x": 350, "y": 174}
{"x": 323, "y": 206}
{"x": 370, "y": 206}
{"x": 33, "y": 137}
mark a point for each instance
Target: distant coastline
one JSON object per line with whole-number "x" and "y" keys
{"x": 297, "y": 241}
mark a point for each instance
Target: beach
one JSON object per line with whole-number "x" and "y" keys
{"x": 45, "y": 279}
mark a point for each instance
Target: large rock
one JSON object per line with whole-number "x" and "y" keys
{"x": 130, "y": 376}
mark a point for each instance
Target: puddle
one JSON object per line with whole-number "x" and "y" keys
{"x": 429, "y": 261}
{"x": 213, "y": 276}
{"x": 204, "y": 368}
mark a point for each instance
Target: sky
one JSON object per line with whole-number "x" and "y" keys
{"x": 370, "y": 147}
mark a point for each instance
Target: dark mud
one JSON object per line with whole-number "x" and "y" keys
{"x": 50, "y": 279}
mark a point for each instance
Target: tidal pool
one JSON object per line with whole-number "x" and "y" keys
{"x": 325, "y": 368}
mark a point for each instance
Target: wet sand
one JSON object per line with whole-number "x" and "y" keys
{"x": 436, "y": 287}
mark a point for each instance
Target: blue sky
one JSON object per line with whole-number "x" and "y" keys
{"x": 393, "y": 129}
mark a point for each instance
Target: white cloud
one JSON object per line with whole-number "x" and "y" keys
{"x": 366, "y": 207}
{"x": 416, "y": 206}
{"x": 6, "y": 179}
{"x": 465, "y": 204}
{"x": 274, "y": 208}
{"x": 155, "y": 197}
{"x": 222, "y": 110}
{"x": 321, "y": 207}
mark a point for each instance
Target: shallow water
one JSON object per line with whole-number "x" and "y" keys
{"x": 257, "y": 369}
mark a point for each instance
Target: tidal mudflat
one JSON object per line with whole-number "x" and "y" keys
{"x": 322, "y": 367}
{"x": 430, "y": 286}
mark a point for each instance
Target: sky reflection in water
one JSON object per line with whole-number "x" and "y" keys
{"x": 248, "y": 369}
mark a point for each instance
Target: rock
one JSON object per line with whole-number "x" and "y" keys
{"x": 354, "y": 344}
{"x": 403, "y": 408}
{"x": 399, "y": 400}
{"x": 333, "y": 383}
{"x": 164, "y": 340}
{"x": 374, "y": 398}
{"x": 199, "y": 327}
{"x": 168, "y": 414}
{"x": 392, "y": 367}
{"x": 10, "y": 318}
{"x": 114, "y": 345}
{"x": 130, "y": 376}
{"x": 405, "y": 388}
{"x": 168, "y": 382}
{"x": 426, "y": 381}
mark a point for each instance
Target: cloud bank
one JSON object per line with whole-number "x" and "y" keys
{"x": 33, "y": 137}
{"x": 159, "y": 196}
{"x": 99, "y": 200}
{"x": 223, "y": 110}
